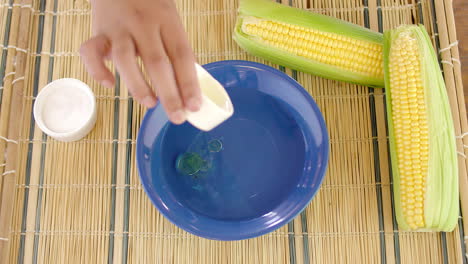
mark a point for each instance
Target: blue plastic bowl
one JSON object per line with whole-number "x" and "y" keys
{"x": 261, "y": 167}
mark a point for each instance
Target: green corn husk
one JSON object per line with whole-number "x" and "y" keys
{"x": 265, "y": 10}
{"x": 441, "y": 208}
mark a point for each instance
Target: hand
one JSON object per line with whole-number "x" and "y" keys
{"x": 152, "y": 30}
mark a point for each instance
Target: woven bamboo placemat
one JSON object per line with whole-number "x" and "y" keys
{"x": 82, "y": 202}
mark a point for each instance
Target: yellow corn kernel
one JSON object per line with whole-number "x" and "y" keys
{"x": 361, "y": 54}
{"x": 405, "y": 94}
{"x": 421, "y": 133}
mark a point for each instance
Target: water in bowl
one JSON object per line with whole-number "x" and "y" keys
{"x": 200, "y": 156}
{"x": 236, "y": 171}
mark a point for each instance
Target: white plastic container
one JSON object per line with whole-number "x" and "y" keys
{"x": 216, "y": 105}
{"x": 65, "y": 109}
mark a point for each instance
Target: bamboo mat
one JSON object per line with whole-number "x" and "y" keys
{"x": 82, "y": 202}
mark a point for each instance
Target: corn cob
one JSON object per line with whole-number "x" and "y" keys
{"x": 309, "y": 42}
{"x": 422, "y": 142}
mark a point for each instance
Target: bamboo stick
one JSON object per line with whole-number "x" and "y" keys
{"x": 12, "y": 103}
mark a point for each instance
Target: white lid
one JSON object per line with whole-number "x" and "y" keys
{"x": 65, "y": 109}
{"x": 216, "y": 105}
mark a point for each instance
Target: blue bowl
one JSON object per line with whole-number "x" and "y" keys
{"x": 247, "y": 177}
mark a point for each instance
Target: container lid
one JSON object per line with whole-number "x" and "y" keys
{"x": 65, "y": 109}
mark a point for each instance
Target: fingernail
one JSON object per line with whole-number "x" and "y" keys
{"x": 107, "y": 84}
{"x": 194, "y": 104}
{"x": 177, "y": 117}
{"x": 149, "y": 101}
